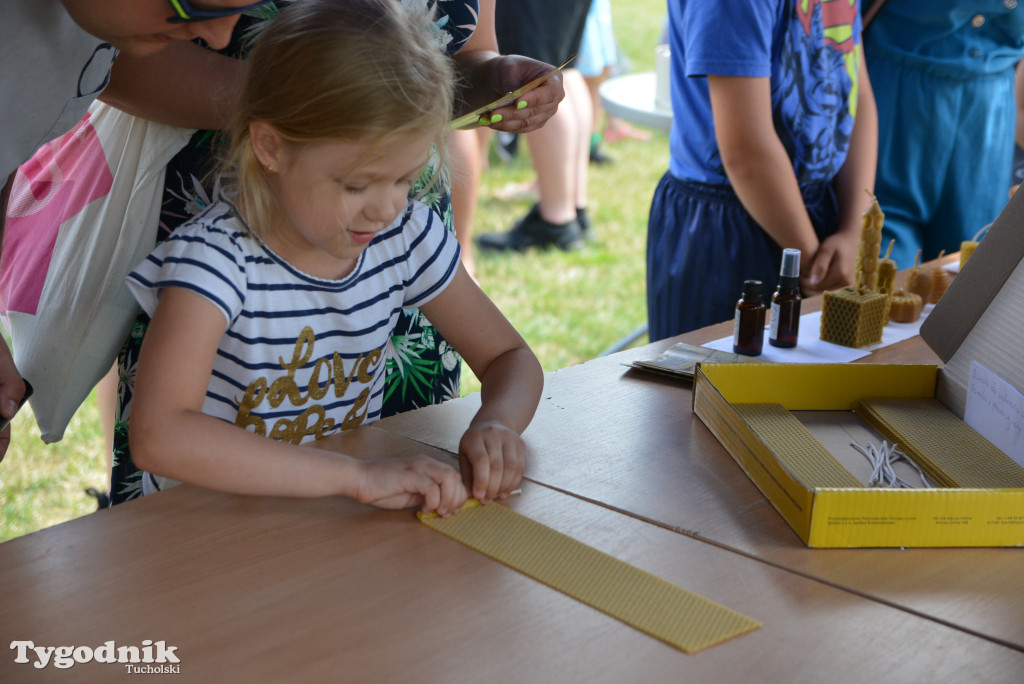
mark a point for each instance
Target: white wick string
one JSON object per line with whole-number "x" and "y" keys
{"x": 882, "y": 459}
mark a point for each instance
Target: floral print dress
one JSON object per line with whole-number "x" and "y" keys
{"x": 421, "y": 367}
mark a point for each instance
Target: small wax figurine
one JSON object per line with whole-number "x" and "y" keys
{"x": 866, "y": 268}
{"x": 967, "y": 247}
{"x": 919, "y": 281}
{"x": 905, "y": 307}
{"x": 940, "y": 280}
{"x": 748, "y": 326}
{"x": 785, "y": 322}
{"x": 887, "y": 273}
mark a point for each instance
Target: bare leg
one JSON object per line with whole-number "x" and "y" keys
{"x": 106, "y": 400}
{"x": 465, "y": 169}
{"x": 560, "y": 151}
{"x": 585, "y": 108}
{"x": 557, "y": 150}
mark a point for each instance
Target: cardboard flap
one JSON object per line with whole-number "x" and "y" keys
{"x": 981, "y": 315}
{"x": 974, "y": 288}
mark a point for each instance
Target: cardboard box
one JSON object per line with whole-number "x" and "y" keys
{"x": 981, "y": 317}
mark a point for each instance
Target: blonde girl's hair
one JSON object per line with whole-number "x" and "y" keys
{"x": 327, "y": 70}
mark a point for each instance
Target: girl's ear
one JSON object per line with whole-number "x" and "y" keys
{"x": 267, "y": 145}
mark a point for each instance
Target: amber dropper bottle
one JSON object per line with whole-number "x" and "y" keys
{"x": 785, "y": 324}
{"x": 748, "y": 325}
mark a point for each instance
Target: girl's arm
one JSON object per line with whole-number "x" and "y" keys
{"x": 833, "y": 265}
{"x": 170, "y": 436}
{"x": 757, "y": 164}
{"x": 511, "y": 382}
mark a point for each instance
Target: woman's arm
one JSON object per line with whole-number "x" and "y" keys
{"x": 489, "y": 75}
{"x": 511, "y": 382}
{"x": 182, "y": 85}
{"x": 170, "y": 436}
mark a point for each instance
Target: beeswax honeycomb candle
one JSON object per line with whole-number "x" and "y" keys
{"x": 851, "y": 318}
{"x": 866, "y": 270}
{"x": 905, "y": 307}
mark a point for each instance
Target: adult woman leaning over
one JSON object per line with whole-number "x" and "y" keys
{"x": 191, "y": 86}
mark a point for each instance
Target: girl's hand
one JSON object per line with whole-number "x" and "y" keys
{"x": 492, "y": 457}
{"x": 414, "y": 481}
{"x": 508, "y": 73}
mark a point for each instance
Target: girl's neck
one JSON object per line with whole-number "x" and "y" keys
{"x": 289, "y": 246}
{"x": 308, "y": 259}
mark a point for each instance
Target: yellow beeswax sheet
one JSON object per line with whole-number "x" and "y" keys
{"x": 659, "y": 608}
{"x": 950, "y": 452}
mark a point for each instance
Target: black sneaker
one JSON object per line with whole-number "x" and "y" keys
{"x": 583, "y": 218}
{"x": 533, "y": 231}
{"x": 597, "y": 156}
{"x": 102, "y": 498}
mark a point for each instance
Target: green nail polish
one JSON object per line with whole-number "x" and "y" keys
{"x": 484, "y": 121}
{"x": 521, "y": 104}
{"x": 496, "y": 118}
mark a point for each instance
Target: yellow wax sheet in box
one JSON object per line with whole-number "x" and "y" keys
{"x": 950, "y": 452}
{"x": 665, "y": 611}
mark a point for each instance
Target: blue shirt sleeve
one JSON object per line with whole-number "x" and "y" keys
{"x": 728, "y": 37}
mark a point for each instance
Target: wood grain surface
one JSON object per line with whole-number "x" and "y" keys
{"x": 265, "y": 589}
{"x": 628, "y": 440}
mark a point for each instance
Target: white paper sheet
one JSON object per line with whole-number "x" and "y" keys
{"x": 810, "y": 348}
{"x": 996, "y": 410}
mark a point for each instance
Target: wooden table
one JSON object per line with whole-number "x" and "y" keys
{"x": 628, "y": 440}
{"x": 265, "y": 589}
{"x": 269, "y": 589}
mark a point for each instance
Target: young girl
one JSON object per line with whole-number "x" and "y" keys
{"x": 273, "y": 310}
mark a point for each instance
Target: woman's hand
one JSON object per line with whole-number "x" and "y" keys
{"x": 508, "y": 73}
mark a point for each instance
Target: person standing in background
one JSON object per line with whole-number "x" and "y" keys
{"x": 773, "y": 143}
{"x": 943, "y": 73}
{"x": 600, "y": 59}
{"x": 551, "y": 31}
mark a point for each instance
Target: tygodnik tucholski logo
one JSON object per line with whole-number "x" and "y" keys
{"x": 149, "y": 658}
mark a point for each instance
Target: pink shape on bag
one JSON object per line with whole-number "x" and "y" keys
{"x": 58, "y": 182}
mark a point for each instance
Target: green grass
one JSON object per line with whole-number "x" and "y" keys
{"x": 569, "y": 306}
{"x": 42, "y": 485}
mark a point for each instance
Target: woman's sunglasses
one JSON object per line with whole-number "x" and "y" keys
{"x": 188, "y": 14}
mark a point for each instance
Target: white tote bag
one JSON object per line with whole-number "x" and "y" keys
{"x": 82, "y": 213}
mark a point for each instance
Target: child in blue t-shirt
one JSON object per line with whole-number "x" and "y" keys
{"x": 272, "y": 311}
{"x": 773, "y": 145}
